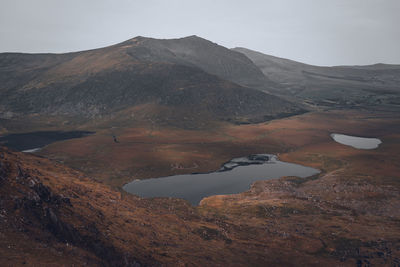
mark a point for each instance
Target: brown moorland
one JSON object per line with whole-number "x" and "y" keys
{"x": 151, "y": 150}
{"x": 347, "y": 215}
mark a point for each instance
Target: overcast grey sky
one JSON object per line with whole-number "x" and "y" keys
{"x": 321, "y": 32}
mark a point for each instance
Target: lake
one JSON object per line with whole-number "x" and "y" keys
{"x": 33, "y": 141}
{"x": 233, "y": 177}
{"x": 356, "y": 142}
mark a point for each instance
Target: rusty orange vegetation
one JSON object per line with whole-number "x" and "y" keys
{"x": 347, "y": 215}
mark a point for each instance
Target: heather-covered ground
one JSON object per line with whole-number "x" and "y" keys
{"x": 347, "y": 215}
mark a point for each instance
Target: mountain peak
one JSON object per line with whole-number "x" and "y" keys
{"x": 195, "y": 38}
{"x": 192, "y": 37}
{"x": 139, "y": 37}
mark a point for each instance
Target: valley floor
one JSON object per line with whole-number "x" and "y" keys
{"x": 347, "y": 215}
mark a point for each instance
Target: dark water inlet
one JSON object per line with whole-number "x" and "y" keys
{"x": 234, "y": 177}
{"x": 30, "y": 142}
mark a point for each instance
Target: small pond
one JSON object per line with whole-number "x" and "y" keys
{"x": 233, "y": 177}
{"x": 356, "y": 142}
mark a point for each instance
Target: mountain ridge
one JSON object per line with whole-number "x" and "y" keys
{"x": 101, "y": 82}
{"x": 337, "y": 86}
{"x": 238, "y": 48}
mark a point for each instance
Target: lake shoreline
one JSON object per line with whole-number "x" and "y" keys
{"x": 235, "y": 176}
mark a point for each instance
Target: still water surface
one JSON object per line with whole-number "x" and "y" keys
{"x": 234, "y": 177}
{"x": 33, "y": 141}
{"x": 356, "y": 142}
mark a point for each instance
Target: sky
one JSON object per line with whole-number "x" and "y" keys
{"x": 318, "y": 32}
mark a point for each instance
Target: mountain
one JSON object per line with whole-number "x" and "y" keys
{"x": 339, "y": 86}
{"x": 196, "y": 51}
{"x": 182, "y": 77}
{"x": 64, "y": 205}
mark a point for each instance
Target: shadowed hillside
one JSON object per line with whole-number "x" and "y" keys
{"x": 196, "y": 51}
{"x": 176, "y": 76}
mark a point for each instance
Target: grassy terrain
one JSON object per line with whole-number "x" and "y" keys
{"x": 346, "y": 215}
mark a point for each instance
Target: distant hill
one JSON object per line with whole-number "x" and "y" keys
{"x": 180, "y": 79}
{"x": 346, "y": 86}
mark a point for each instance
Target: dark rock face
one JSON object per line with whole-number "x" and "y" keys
{"x": 3, "y": 171}
{"x": 258, "y": 157}
{"x": 254, "y": 159}
{"x": 211, "y": 234}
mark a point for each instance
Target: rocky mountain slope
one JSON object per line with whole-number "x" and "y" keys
{"x": 196, "y": 51}
{"x": 178, "y": 76}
